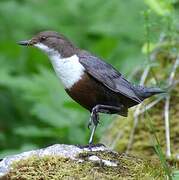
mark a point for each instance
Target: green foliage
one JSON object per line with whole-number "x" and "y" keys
{"x": 158, "y": 148}
{"x": 35, "y": 110}
{"x": 161, "y": 7}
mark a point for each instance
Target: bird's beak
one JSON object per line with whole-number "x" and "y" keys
{"x": 25, "y": 43}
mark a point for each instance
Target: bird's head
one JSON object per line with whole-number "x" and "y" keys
{"x": 51, "y": 42}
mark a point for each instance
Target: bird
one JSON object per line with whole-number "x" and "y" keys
{"x": 90, "y": 81}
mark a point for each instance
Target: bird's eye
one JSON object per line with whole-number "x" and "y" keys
{"x": 42, "y": 38}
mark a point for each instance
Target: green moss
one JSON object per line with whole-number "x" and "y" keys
{"x": 51, "y": 167}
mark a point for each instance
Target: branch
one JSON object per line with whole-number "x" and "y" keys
{"x": 167, "y": 108}
{"x": 137, "y": 111}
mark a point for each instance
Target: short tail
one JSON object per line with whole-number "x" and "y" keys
{"x": 144, "y": 92}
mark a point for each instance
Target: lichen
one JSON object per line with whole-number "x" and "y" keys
{"x": 55, "y": 167}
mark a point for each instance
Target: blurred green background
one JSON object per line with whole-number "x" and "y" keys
{"x": 34, "y": 108}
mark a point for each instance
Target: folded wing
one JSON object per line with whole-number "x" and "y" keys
{"x": 108, "y": 76}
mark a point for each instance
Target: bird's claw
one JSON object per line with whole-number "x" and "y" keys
{"x": 94, "y": 118}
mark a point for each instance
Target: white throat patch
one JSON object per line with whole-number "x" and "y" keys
{"x": 69, "y": 69}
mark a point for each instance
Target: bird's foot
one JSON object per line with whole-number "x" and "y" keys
{"x": 94, "y": 119}
{"x": 90, "y": 146}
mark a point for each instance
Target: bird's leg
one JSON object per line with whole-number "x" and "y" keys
{"x": 94, "y": 119}
{"x": 90, "y": 122}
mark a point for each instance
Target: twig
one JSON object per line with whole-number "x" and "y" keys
{"x": 119, "y": 135}
{"x": 144, "y": 75}
{"x": 167, "y": 108}
{"x": 142, "y": 81}
{"x": 172, "y": 74}
{"x": 167, "y": 126}
{"x": 150, "y": 105}
{"x": 138, "y": 111}
{"x": 136, "y": 118}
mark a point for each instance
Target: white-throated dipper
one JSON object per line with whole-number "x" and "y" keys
{"x": 91, "y": 82}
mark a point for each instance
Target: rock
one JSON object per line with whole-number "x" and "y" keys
{"x": 62, "y": 161}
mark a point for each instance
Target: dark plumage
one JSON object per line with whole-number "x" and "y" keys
{"x": 101, "y": 88}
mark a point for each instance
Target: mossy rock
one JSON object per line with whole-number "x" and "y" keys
{"x": 55, "y": 167}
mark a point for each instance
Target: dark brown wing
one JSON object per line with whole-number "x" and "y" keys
{"x": 108, "y": 76}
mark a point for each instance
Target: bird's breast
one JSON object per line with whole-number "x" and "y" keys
{"x": 69, "y": 70}
{"x": 89, "y": 92}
